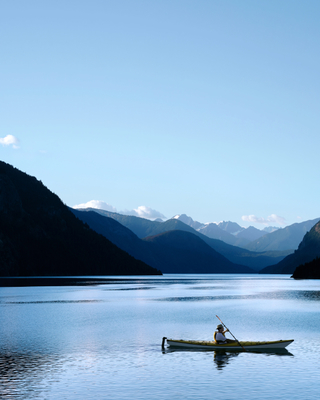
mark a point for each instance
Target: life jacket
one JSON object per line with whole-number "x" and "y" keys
{"x": 214, "y": 336}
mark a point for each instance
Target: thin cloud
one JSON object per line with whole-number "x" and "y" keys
{"x": 10, "y": 140}
{"x": 144, "y": 212}
{"x": 273, "y": 218}
{"x": 100, "y": 205}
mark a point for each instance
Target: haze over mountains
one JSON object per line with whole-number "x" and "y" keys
{"x": 230, "y": 232}
{"x": 269, "y": 239}
{"x": 278, "y": 239}
{"x": 144, "y": 228}
{"x": 171, "y": 250}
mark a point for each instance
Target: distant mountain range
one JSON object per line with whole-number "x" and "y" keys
{"x": 144, "y": 228}
{"x": 300, "y": 263}
{"x": 172, "y": 251}
{"x": 227, "y": 231}
{"x": 40, "y": 236}
{"x": 269, "y": 239}
{"x": 285, "y": 238}
{"x": 266, "y": 262}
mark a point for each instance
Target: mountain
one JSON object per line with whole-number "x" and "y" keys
{"x": 308, "y": 250}
{"x": 282, "y": 239}
{"x": 187, "y": 253}
{"x": 189, "y": 221}
{"x": 143, "y": 227}
{"x": 231, "y": 227}
{"x": 234, "y": 254}
{"x": 40, "y": 236}
{"x": 172, "y": 252}
{"x": 238, "y": 255}
{"x": 172, "y": 225}
{"x": 227, "y": 231}
{"x": 248, "y": 234}
{"x": 251, "y": 233}
{"x": 140, "y": 226}
{"x": 213, "y": 231}
{"x": 119, "y": 235}
{"x": 269, "y": 229}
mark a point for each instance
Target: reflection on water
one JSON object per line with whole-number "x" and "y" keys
{"x": 222, "y": 358}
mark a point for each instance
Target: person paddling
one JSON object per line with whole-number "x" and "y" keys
{"x": 219, "y": 335}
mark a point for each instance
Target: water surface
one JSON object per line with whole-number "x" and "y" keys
{"x": 104, "y": 341}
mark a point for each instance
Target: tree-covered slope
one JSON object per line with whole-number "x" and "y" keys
{"x": 310, "y": 270}
{"x": 39, "y": 235}
{"x": 121, "y": 236}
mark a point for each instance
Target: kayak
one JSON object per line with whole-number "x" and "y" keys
{"x": 241, "y": 345}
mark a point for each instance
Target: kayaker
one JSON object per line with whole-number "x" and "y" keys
{"x": 219, "y": 335}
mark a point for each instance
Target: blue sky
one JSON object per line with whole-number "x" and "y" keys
{"x": 208, "y": 108}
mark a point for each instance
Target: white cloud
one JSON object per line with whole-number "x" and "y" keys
{"x": 273, "y": 218}
{"x": 144, "y": 212}
{"x": 10, "y": 140}
{"x": 101, "y": 205}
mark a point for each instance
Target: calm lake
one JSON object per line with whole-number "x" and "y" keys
{"x": 104, "y": 341}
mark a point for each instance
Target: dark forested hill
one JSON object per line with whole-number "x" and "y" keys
{"x": 121, "y": 236}
{"x": 39, "y": 235}
{"x": 309, "y": 270}
{"x": 308, "y": 250}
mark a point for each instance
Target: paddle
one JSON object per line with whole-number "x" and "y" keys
{"x": 231, "y": 334}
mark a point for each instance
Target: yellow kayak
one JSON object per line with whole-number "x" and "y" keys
{"x": 241, "y": 345}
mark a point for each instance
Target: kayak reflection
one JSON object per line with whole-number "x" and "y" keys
{"x": 222, "y": 358}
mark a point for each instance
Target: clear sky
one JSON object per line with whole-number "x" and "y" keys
{"x": 207, "y": 108}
